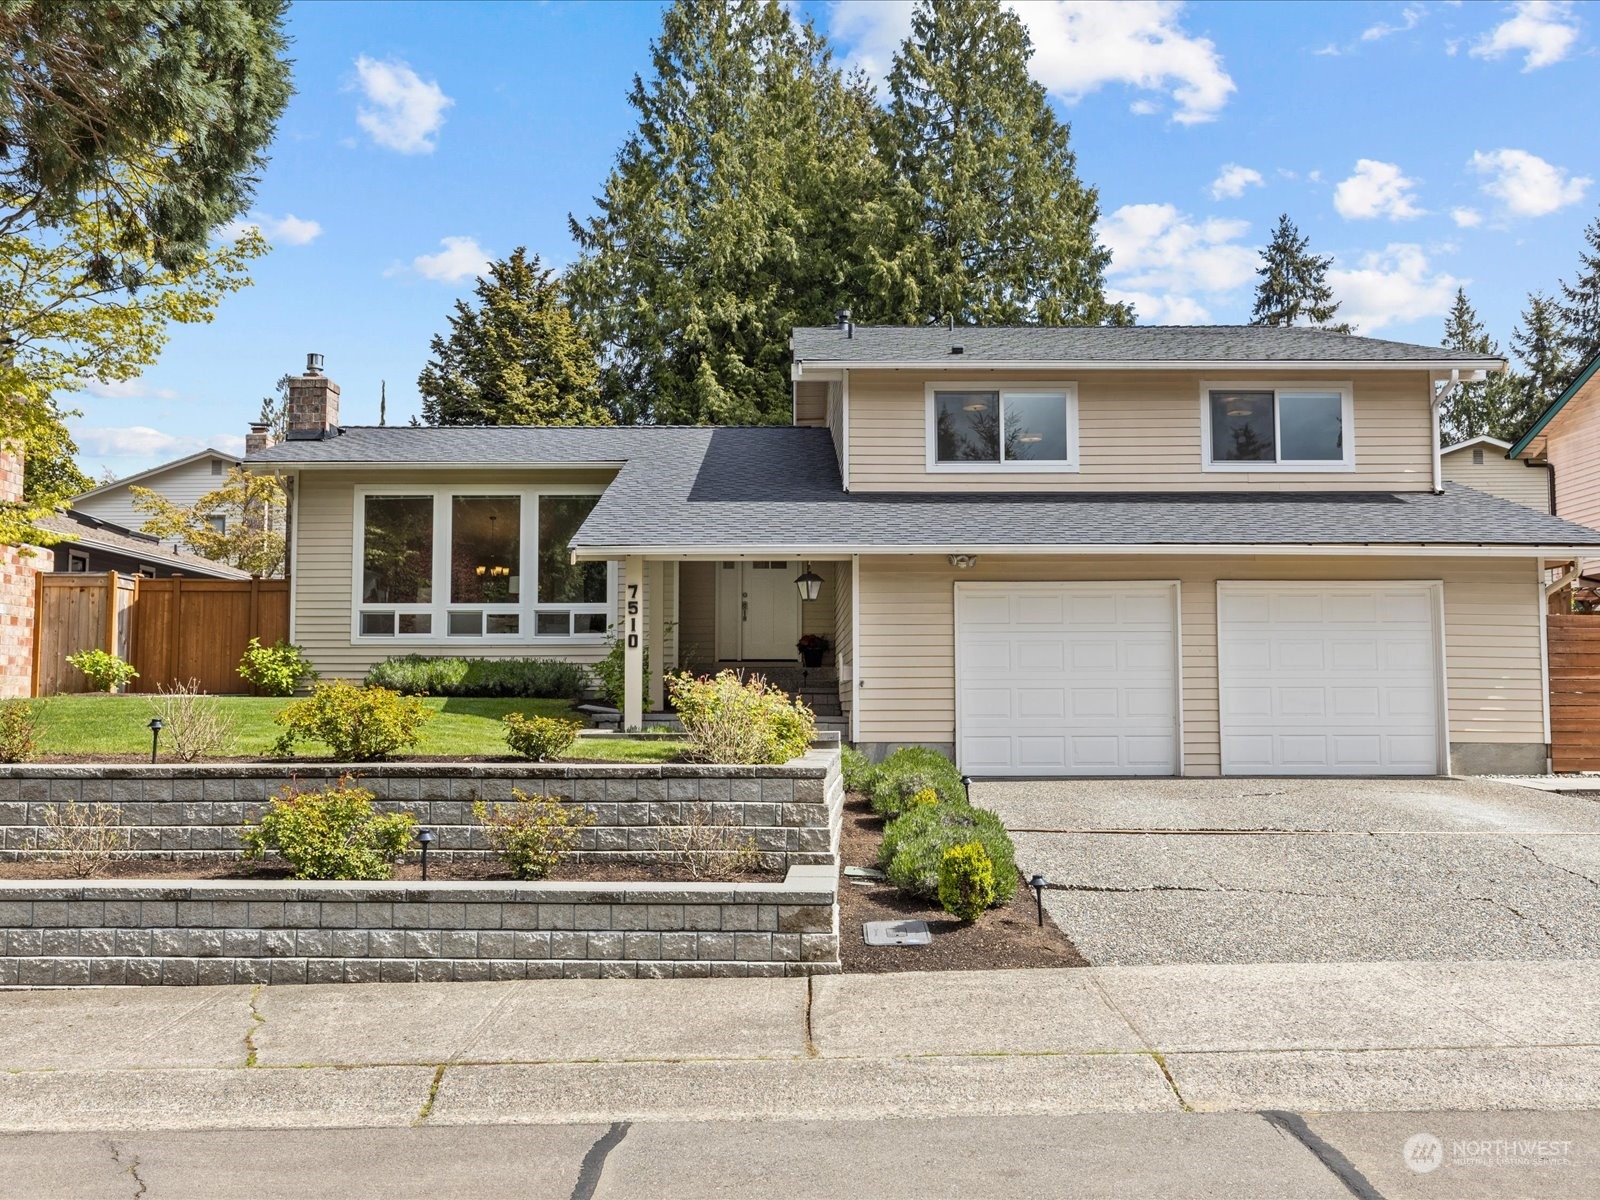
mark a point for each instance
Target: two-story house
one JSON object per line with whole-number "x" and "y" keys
{"x": 1161, "y": 551}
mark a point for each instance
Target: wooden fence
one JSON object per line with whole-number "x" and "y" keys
{"x": 1574, "y": 691}
{"x": 172, "y": 630}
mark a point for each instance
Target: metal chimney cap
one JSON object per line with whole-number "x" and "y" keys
{"x": 313, "y": 364}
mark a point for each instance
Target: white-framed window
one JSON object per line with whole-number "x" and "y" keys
{"x": 1016, "y": 427}
{"x": 458, "y": 565}
{"x": 77, "y": 562}
{"x": 218, "y": 522}
{"x": 1277, "y": 426}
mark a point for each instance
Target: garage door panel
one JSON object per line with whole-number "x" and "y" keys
{"x": 1352, "y": 686}
{"x": 1075, "y": 679}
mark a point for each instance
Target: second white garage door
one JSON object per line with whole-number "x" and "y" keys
{"x": 1066, "y": 678}
{"x": 1329, "y": 678}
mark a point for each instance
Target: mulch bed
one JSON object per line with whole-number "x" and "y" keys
{"x": 461, "y": 869}
{"x": 1004, "y": 937}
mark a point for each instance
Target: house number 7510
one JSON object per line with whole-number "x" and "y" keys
{"x": 633, "y": 616}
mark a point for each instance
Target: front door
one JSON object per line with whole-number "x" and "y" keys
{"x": 758, "y": 610}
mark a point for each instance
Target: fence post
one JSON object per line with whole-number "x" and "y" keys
{"x": 111, "y": 612}
{"x": 38, "y": 632}
{"x": 176, "y": 616}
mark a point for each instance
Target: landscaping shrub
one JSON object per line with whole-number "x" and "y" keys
{"x": 914, "y": 844}
{"x": 858, "y": 771}
{"x": 277, "y": 669}
{"x": 733, "y": 720}
{"x": 540, "y": 738}
{"x": 966, "y": 881}
{"x": 907, "y": 772}
{"x": 703, "y": 846}
{"x": 19, "y": 730}
{"x": 87, "y": 837}
{"x": 331, "y": 834}
{"x": 512, "y": 678}
{"x": 532, "y": 832}
{"x": 106, "y": 672}
{"x": 609, "y": 672}
{"x": 195, "y": 725}
{"x": 358, "y": 724}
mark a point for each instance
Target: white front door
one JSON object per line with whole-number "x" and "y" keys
{"x": 758, "y": 610}
{"x": 1329, "y": 678}
{"x": 1067, "y": 678}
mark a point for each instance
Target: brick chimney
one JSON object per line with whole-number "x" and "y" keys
{"x": 313, "y": 403}
{"x": 258, "y": 439}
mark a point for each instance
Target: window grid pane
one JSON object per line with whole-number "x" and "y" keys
{"x": 1242, "y": 427}
{"x": 1310, "y": 427}
{"x": 485, "y": 549}
{"x": 967, "y": 427}
{"x": 1036, "y": 426}
{"x": 397, "y": 554}
{"x": 562, "y": 581}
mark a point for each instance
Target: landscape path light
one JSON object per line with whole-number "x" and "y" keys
{"x": 425, "y": 839}
{"x": 1038, "y": 883}
{"x": 156, "y": 726}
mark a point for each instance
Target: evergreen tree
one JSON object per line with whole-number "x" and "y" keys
{"x": 748, "y": 201}
{"x": 1474, "y": 409}
{"x": 518, "y": 358}
{"x": 1540, "y": 343}
{"x": 1294, "y": 283}
{"x": 1580, "y": 303}
{"x": 1001, "y": 229}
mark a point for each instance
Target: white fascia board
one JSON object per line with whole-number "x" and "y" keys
{"x": 841, "y": 552}
{"x": 958, "y": 362}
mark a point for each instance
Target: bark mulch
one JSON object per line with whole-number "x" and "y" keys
{"x": 1004, "y": 937}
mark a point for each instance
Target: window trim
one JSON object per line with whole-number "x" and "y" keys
{"x": 1292, "y": 466}
{"x": 1060, "y": 466}
{"x": 527, "y": 607}
{"x": 77, "y": 562}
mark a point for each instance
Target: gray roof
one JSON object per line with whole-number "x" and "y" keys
{"x": 478, "y": 445}
{"x": 82, "y": 529}
{"x": 759, "y": 489}
{"x": 1234, "y": 345}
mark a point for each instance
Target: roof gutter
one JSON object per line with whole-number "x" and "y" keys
{"x": 845, "y": 550}
{"x": 968, "y": 365}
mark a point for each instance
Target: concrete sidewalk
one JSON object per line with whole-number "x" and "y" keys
{"x": 1318, "y": 1037}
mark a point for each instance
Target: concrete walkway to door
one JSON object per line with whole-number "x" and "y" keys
{"x": 1147, "y": 871}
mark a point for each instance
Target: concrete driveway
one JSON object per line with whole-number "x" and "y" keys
{"x": 1316, "y": 870}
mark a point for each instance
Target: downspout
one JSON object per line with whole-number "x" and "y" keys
{"x": 1439, "y": 396}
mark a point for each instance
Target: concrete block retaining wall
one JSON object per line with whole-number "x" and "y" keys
{"x": 791, "y": 811}
{"x": 236, "y": 931}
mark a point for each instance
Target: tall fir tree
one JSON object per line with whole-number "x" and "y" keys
{"x": 1580, "y": 302}
{"x": 1001, "y": 230}
{"x": 748, "y": 200}
{"x": 1294, "y": 286}
{"x": 1540, "y": 343}
{"x": 1475, "y": 409}
{"x": 519, "y": 357}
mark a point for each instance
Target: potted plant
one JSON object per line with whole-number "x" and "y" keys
{"x": 812, "y": 647}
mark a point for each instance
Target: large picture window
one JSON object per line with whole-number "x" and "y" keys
{"x": 1255, "y": 427}
{"x": 450, "y": 565}
{"x": 973, "y": 428}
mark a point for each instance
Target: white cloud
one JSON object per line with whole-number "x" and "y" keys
{"x": 1525, "y": 184}
{"x": 1170, "y": 264}
{"x": 1377, "y": 189}
{"x": 127, "y": 389}
{"x": 1410, "y": 16}
{"x": 1079, "y": 47}
{"x": 1392, "y": 284}
{"x": 1466, "y": 218}
{"x": 1231, "y": 182}
{"x": 288, "y": 228}
{"x": 1546, "y": 30}
{"x": 461, "y": 258}
{"x": 404, "y": 111}
{"x": 133, "y": 441}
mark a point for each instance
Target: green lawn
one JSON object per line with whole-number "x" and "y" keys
{"x": 118, "y": 725}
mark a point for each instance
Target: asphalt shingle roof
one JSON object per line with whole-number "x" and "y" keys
{"x": 79, "y": 528}
{"x": 1153, "y": 344}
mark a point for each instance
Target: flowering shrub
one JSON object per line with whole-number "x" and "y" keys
{"x": 106, "y": 672}
{"x": 533, "y": 832}
{"x": 277, "y": 669}
{"x": 540, "y": 738}
{"x": 733, "y": 720}
{"x": 331, "y": 834}
{"x": 359, "y": 724}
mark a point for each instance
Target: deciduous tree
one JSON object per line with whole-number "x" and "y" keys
{"x": 250, "y": 538}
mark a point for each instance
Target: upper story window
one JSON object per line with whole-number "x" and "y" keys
{"x": 1285, "y": 427}
{"x": 440, "y": 564}
{"x": 218, "y": 522}
{"x": 1031, "y": 427}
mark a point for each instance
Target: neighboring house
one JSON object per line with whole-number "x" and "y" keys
{"x": 97, "y": 545}
{"x": 1566, "y": 440}
{"x": 182, "y": 481}
{"x": 1092, "y": 551}
{"x": 1483, "y": 463}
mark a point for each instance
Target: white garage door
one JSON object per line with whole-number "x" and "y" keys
{"x": 1328, "y": 678}
{"x": 1066, "y": 679}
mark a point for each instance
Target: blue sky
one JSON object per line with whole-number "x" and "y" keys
{"x": 1421, "y": 144}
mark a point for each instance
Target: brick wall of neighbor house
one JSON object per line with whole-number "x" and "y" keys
{"x": 18, "y": 568}
{"x": 1492, "y": 614}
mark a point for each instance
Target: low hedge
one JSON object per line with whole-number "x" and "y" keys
{"x": 518, "y": 678}
{"x": 907, "y": 772}
{"x": 915, "y": 843}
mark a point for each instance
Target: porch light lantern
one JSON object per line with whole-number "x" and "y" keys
{"x": 809, "y": 583}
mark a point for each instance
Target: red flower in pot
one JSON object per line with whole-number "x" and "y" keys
{"x": 812, "y": 647}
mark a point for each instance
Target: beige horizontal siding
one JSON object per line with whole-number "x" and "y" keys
{"x": 1510, "y": 479}
{"x": 323, "y": 587}
{"x": 1140, "y": 431}
{"x": 1573, "y": 448}
{"x": 843, "y": 634}
{"x": 697, "y": 614}
{"x": 906, "y": 643}
{"x": 810, "y": 403}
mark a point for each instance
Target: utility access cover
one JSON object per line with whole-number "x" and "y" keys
{"x": 896, "y": 933}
